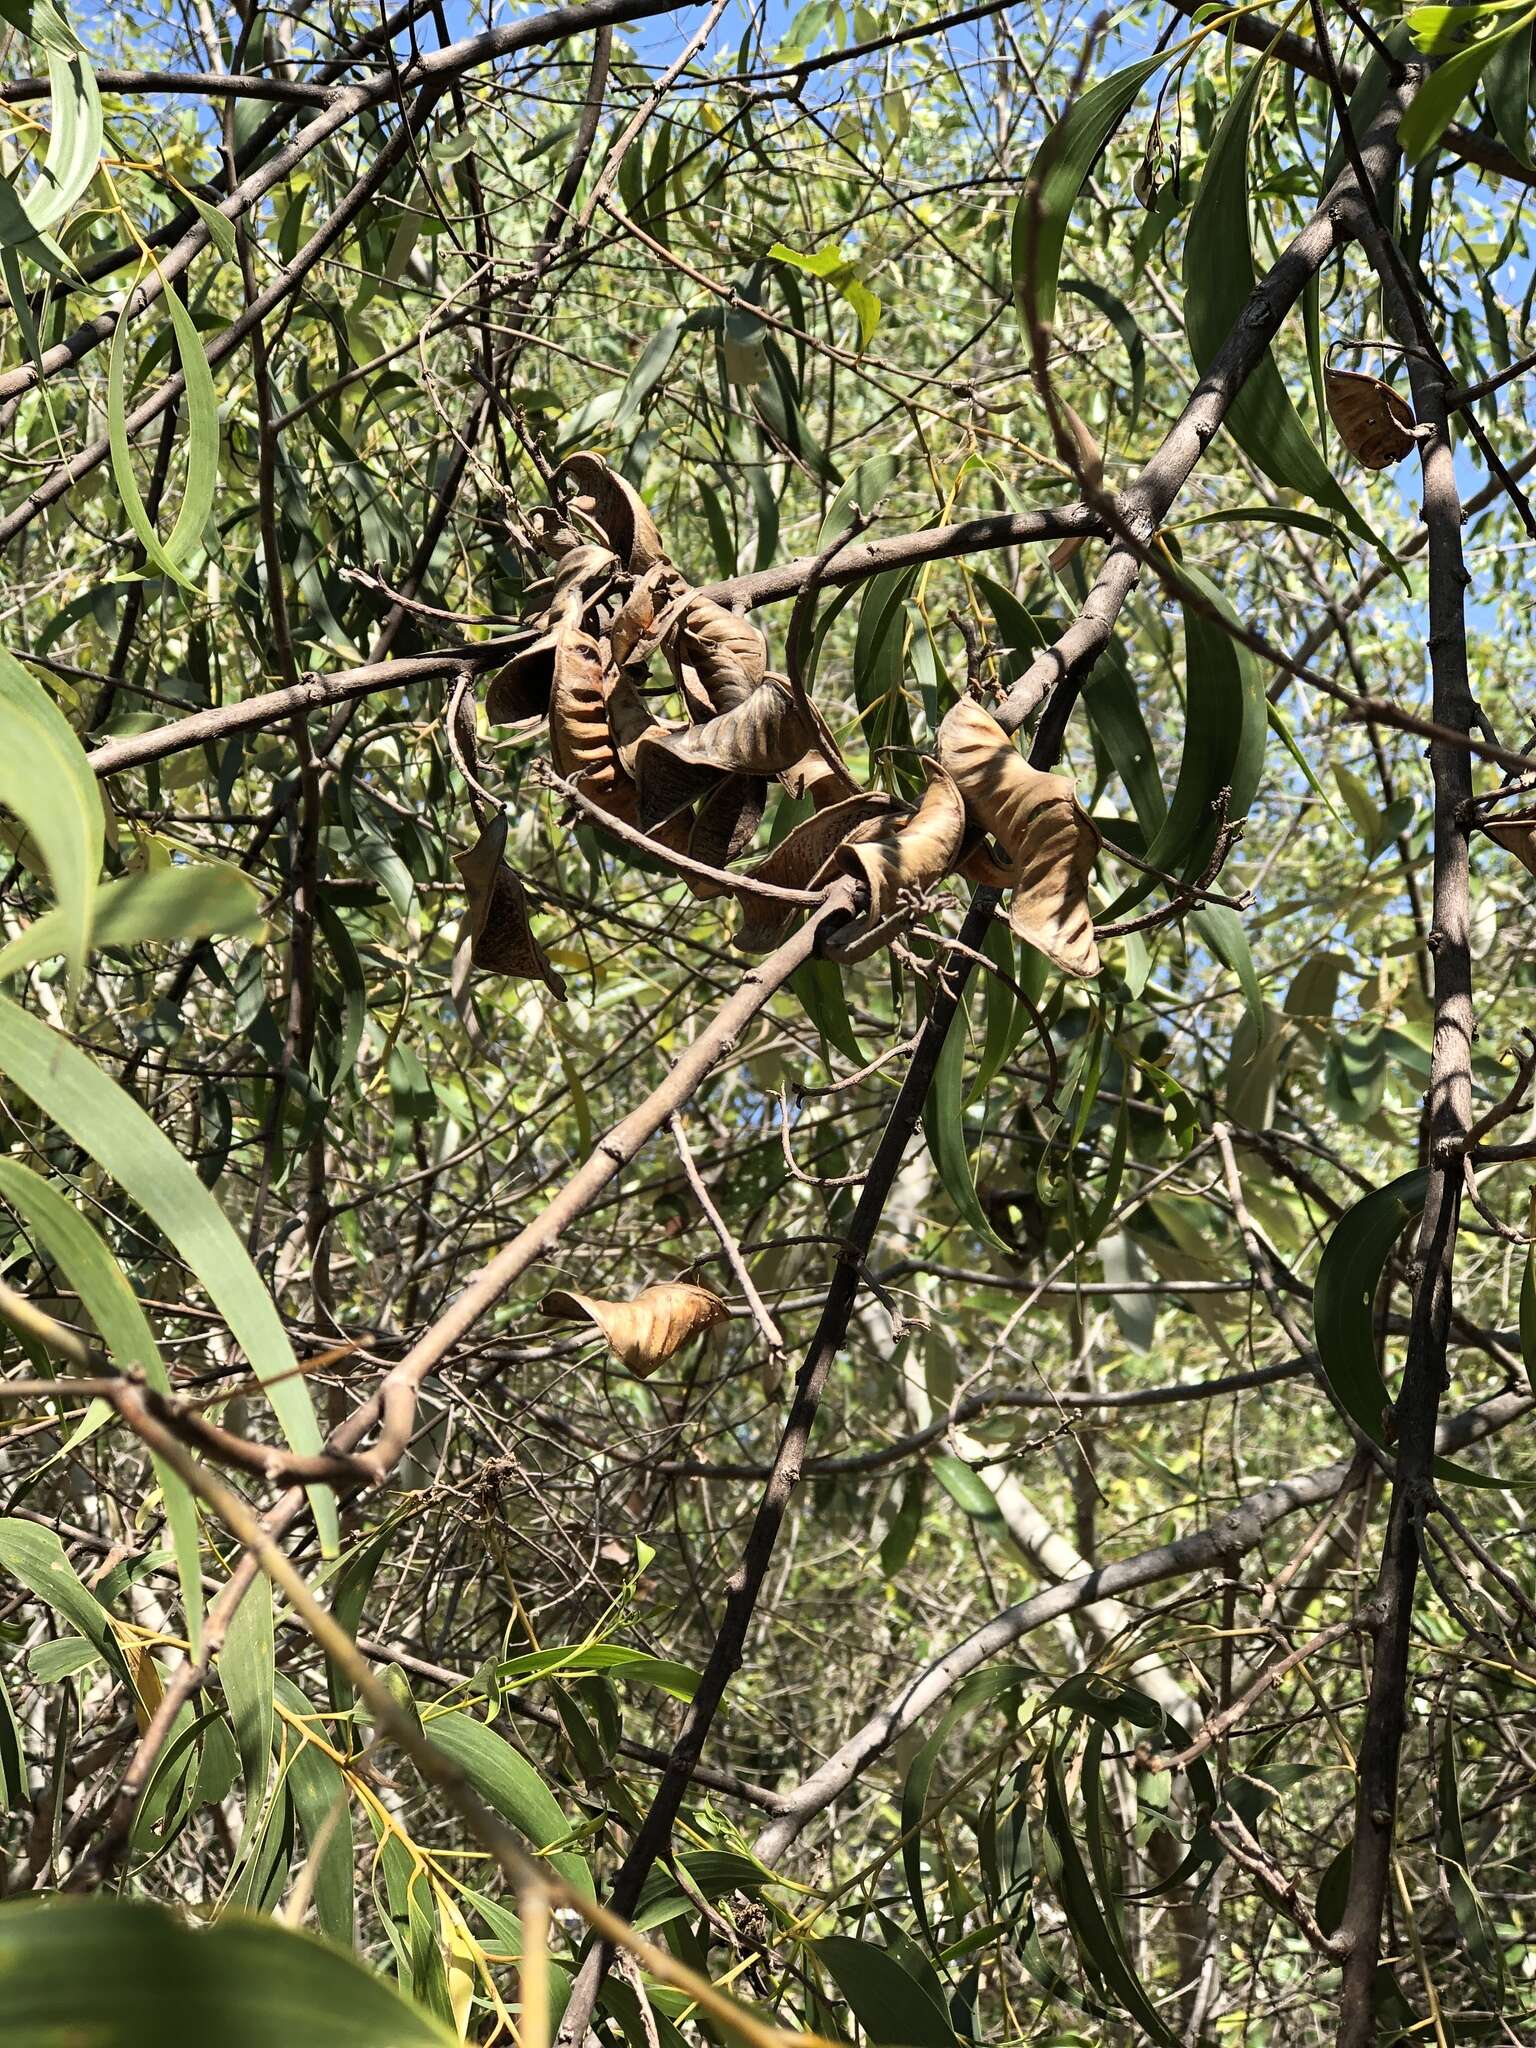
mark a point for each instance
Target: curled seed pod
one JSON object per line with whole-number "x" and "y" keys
{"x": 1375, "y": 424}
{"x": 912, "y": 853}
{"x": 615, "y": 508}
{"x": 803, "y": 859}
{"x": 648, "y": 614}
{"x": 1517, "y": 835}
{"x": 579, "y": 740}
{"x": 1047, "y": 837}
{"x": 522, "y": 688}
{"x": 644, "y": 1332}
{"x": 726, "y": 652}
{"x": 762, "y": 735}
{"x": 496, "y": 936}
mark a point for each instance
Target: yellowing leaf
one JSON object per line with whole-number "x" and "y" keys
{"x": 830, "y": 263}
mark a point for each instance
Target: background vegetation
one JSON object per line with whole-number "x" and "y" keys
{"x": 1047, "y": 1556}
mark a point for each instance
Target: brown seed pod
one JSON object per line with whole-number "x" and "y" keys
{"x": 803, "y": 859}
{"x": 1047, "y": 837}
{"x": 763, "y": 735}
{"x": 496, "y": 932}
{"x": 726, "y": 652}
{"x": 1374, "y": 423}
{"x": 1517, "y": 835}
{"x": 645, "y": 1332}
{"x": 912, "y": 853}
{"x": 616, "y": 509}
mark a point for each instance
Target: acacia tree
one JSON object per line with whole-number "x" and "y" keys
{"x": 765, "y": 1036}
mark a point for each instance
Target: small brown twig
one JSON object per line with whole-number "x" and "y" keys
{"x": 728, "y": 1244}
{"x": 1222, "y": 1724}
{"x": 1282, "y": 1892}
{"x": 1183, "y": 894}
{"x": 810, "y": 1180}
{"x": 685, "y": 864}
{"x": 1458, "y": 1143}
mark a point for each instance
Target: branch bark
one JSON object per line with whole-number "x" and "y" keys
{"x": 1448, "y": 1117}
{"x": 1233, "y": 1535}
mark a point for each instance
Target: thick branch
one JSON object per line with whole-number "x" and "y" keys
{"x": 1448, "y": 1120}
{"x": 1232, "y": 1535}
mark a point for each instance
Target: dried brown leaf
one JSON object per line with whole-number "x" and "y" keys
{"x": 616, "y": 509}
{"x": 1375, "y": 424}
{"x": 1090, "y": 473}
{"x": 1045, "y": 834}
{"x": 496, "y": 936}
{"x": 523, "y": 688}
{"x": 1517, "y": 835}
{"x": 803, "y": 859}
{"x": 648, "y": 614}
{"x": 645, "y": 1332}
{"x": 725, "y": 651}
{"x": 762, "y": 735}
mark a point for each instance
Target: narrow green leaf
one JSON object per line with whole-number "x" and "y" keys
{"x": 902, "y": 1529}
{"x": 1437, "y": 100}
{"x": 1477, "y": 1937}
{"x": 221, "y": 230}
{"x": 865, "y": 488}
{"x": 1222, "y": 930}
{"x": 47, "y": 781}
{"x": 71, "y": 1090}
{"x": 1057, "y": 176}
{"x": 202, "y": 412}
{"x": 161, "y": 907}
{"x": 1219, "y": 275}
{"x": 1092, "y": 1933}
{"x": 14, "y": 1794}
{"x": 617, "y": 1658}
{"x": 889, "y": 2005}
{"x": 944, "y": 1128}
{"x": 323, "y": 1806}
{"x": 966, "y": 1488}
{"x": 78, "y": 1250}
{"x": 1123, "y": 320}
{"x": 121, "y": 1973}
{"x": 74, "y": 144}
{"x": 1226, "y": 725}
{"x": 511, "y": 1785}
{"x": 36, "y": 1557}
{"x": 349, "y": 1594}
{"x": 49, "y": 1663}
{"x": 1343, "y": 1309}
{"x": 247, "y": 1672}
{"x": 842, "y": 273}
